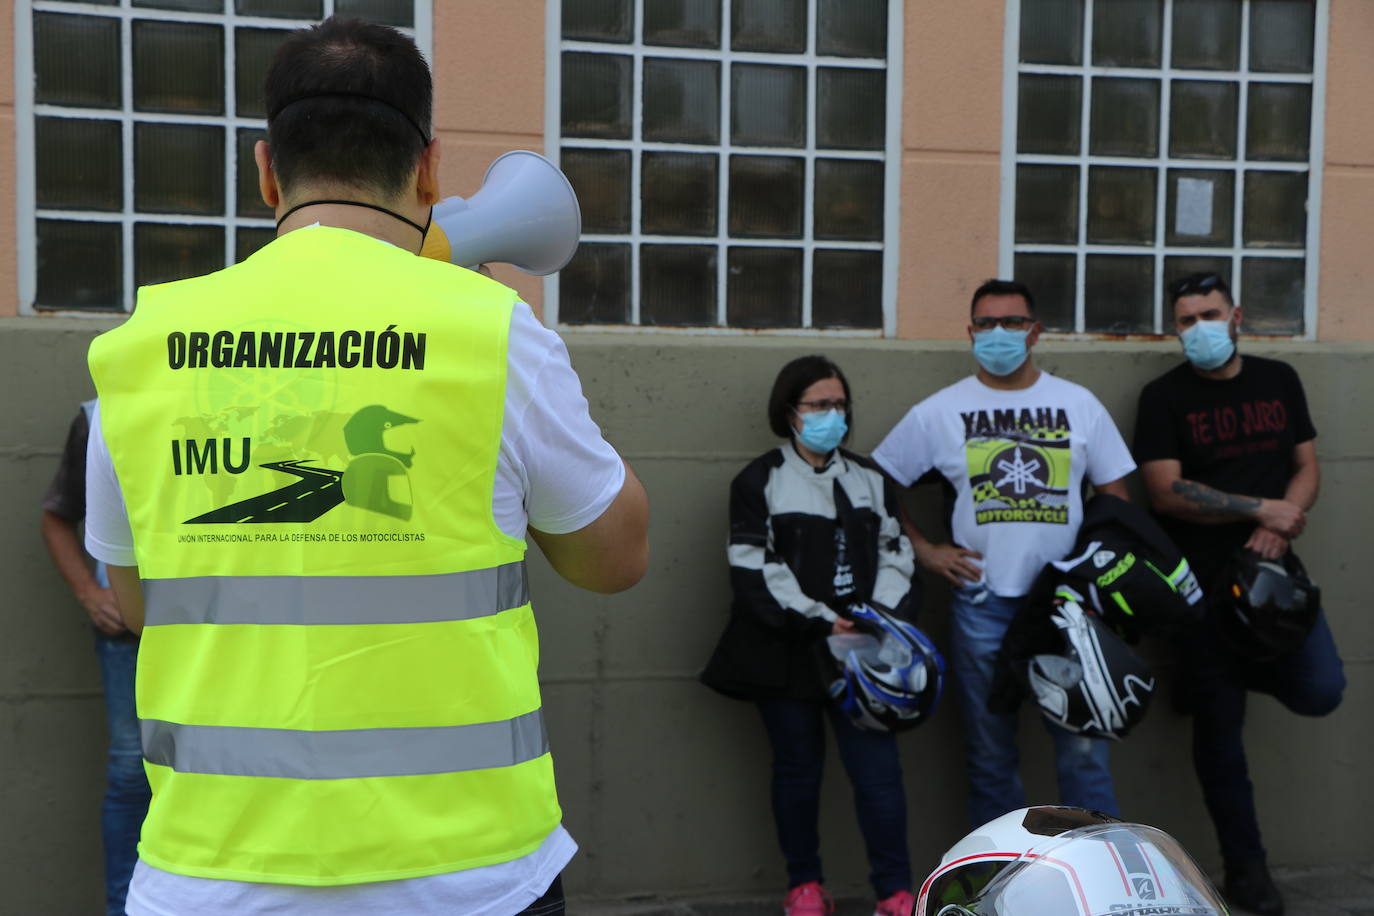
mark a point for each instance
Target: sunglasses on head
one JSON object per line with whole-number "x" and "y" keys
{"x": 1197, "y": 285}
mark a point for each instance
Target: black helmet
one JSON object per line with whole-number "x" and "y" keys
{"x": 1096, "y": 685}
{"x": 1263, "y": 609}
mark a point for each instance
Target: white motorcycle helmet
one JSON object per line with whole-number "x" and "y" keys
{"x": 1067, "y": 862}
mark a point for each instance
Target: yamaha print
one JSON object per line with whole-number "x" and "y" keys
{"x": 1019, "y": 464}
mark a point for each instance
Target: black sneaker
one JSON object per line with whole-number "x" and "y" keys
{"x": 1250, "y": 888}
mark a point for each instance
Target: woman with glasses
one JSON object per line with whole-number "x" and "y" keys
{"x": 814, "y": 528}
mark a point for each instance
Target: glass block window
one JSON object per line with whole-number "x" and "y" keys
{"x": 733, "y": 159}
{"x": 136, "y": 133}
{"x": 1155, "y": 138}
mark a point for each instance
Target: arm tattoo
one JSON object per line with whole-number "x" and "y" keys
{"x": 1214, "y": 502}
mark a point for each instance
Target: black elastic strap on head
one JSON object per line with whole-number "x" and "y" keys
{"x": 271, "y": 115}
{"x": 423, "y": 230}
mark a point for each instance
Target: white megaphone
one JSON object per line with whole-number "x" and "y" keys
{"x": 525, "y": 214}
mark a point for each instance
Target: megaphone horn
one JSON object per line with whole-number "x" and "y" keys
{"x": 525, "y": 214}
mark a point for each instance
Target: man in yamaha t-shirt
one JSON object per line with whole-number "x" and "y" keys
{"x": 1017, "y": 444}
{"x": 1228, "y": 453}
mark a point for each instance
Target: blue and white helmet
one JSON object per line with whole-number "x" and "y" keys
{"x": 890, "y": 673}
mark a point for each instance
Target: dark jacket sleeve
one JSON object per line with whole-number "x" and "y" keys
{"x": 768, "y": 650}
{"x": 66, "y": 496}
{"x": 896, "y": 585}
{"x": 764, "y": 587}
{"x": 1031, "y": 632}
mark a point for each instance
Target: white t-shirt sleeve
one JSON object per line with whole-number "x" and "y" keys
{"x": 556, "y": 471}
{"x": 108, "y": 535}
{"x": 1108, "y": 457}
{"x": 905, "y": 452}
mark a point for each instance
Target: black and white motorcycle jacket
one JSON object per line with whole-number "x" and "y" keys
{"x": 804, "y": 544}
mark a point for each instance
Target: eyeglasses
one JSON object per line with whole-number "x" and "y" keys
{"x": 839, "y": 404}
{"x": 1197, "y": 285}
{"x": 1010, "y": 322}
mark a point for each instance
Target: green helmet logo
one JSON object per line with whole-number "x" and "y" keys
{"x": 367, "y": 482}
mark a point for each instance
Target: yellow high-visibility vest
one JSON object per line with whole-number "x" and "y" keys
{"x": 337, "y": 677}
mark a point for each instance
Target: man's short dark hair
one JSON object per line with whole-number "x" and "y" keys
{"x": 1003, "y": 288}
{"x": 348, "y": 102}
{"x": 1199, "y": 284}
{"x": 792, "y": 381}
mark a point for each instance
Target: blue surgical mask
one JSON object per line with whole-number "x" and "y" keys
{"x": 822, "y": 430}
{"x": 1208, "y": 344}
{"x": 999, "y": 351}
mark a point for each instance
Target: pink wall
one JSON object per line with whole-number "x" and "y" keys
{"x": 951, "y": 160}
{"x": 951, "y": 137}
{"x": 489, "y": 98}
{"x": 490, "y": 88}
{"x": 9, "y": 267}
{"x": 1347, "y": 218}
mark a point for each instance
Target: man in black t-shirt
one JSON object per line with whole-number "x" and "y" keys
{"x": 1228, "y": 452}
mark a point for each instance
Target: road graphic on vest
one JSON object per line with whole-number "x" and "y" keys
{"x": 313, "y": 495}
{"x": 366, "y": 483}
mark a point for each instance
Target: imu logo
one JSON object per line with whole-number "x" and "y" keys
{"x": 210, "y": 456}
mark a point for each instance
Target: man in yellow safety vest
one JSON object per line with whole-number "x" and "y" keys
{"x": 312, "y": 476}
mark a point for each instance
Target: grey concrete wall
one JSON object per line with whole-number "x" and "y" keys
{"x": 663, "y": 782}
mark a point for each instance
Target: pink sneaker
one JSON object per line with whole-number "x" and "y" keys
{"x": 899, "y": 904}
{"x": 809, "y": 899}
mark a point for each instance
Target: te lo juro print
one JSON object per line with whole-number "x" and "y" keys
{"x": 1223, "y": 424}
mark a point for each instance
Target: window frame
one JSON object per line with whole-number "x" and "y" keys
{"x": 1008, "y": 247}
{"x": 27, "y": 111}
{"x": 890, "y": 156}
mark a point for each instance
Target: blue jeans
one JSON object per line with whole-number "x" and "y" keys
{"x": 1309, "y": 681}
{"x": 796, "y": 731}
{"x": 126, "y": 785}
{"x": 990, "y": 738}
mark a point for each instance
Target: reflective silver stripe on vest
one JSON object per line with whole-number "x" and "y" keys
{"x": 320, "y": 600}
{"x": 351, "y": 754}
